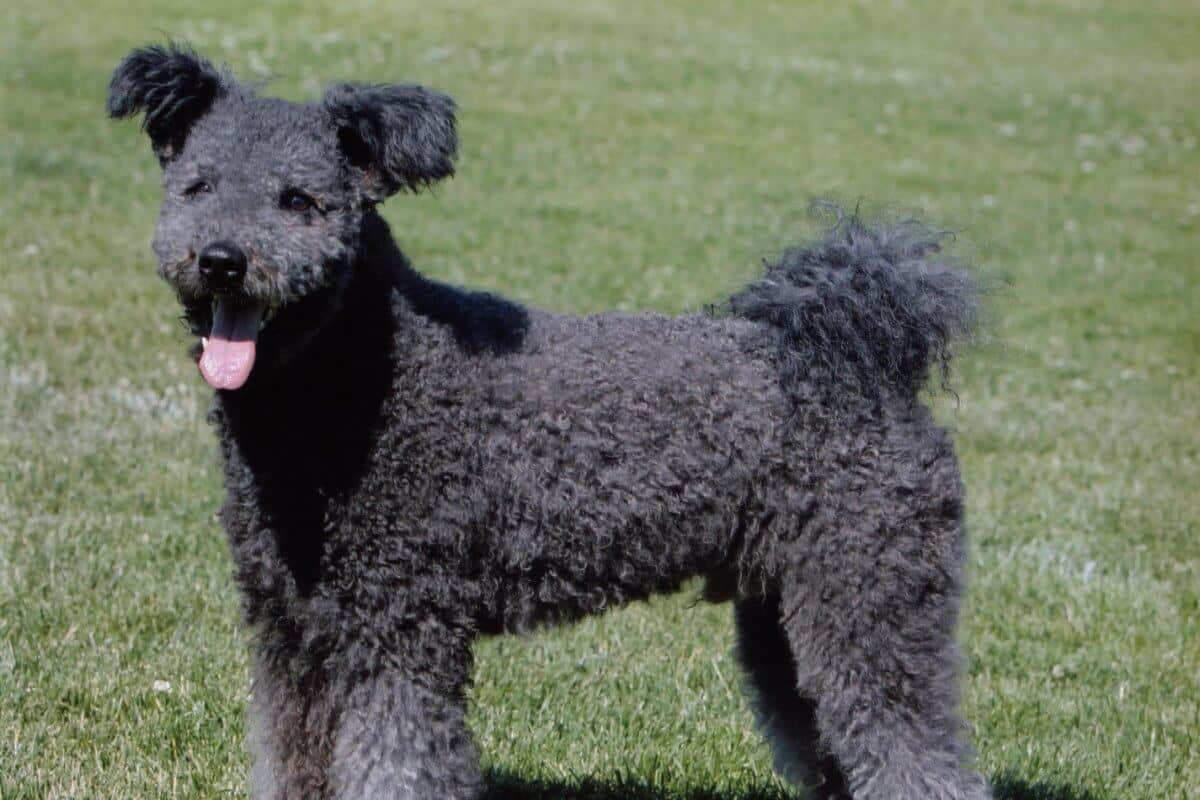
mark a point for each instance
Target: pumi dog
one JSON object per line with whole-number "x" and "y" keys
{"x": 410, "y": 465}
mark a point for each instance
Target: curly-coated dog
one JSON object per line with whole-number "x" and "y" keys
{"x": 410, "y": 465}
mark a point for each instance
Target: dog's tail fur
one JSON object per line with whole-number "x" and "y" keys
{"x": 870, "y": 307}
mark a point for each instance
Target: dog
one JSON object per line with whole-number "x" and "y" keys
{"x": 410, "y": 466}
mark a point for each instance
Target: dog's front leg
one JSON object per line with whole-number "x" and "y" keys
{"x": 288, "y": 713}
{"x": 397, "y": 739}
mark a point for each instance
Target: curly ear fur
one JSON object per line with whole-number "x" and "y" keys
{"x": 172, "y": 85}
{"x": 402, "y": 136}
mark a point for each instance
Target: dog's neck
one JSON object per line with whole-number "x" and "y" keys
{"x": 281, "y": 420}
{"x": 298, "y": 435}
{"x": 339, "y": 379}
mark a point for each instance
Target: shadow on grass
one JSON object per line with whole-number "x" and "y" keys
{"x": 507, "y": 786}
{"x": 1009, "y": 787}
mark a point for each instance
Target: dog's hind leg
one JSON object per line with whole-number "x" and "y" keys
{"x": 870, "y": 608}
{"x": 786, "y": 717}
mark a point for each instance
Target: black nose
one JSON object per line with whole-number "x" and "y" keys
{"x": 222, "y": 265}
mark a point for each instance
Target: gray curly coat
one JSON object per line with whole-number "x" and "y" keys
{"x": 410, "y": 466}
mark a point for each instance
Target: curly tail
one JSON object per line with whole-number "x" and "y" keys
{"x": 870, "y": 307}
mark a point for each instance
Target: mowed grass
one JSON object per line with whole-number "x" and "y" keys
{"x": 639, "y": 156}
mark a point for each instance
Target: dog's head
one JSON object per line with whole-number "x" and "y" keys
{"x": 265, "y": 199}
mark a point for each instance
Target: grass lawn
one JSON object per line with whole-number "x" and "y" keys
{"x": 641, "y": 156}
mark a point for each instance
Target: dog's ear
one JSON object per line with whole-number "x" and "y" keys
{"x": 172, "y": 85}
{"x": 399, "y": 137}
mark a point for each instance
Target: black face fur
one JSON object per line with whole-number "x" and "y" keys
{"x": 286, "y": 184}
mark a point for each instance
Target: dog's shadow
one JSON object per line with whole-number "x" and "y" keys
{"x": 504, "y": 785}
{"x": 1007, "y": 786}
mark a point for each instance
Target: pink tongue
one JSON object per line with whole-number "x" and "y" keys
{"x": 229, "y": 351}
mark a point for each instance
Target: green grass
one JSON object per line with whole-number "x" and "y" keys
{"x": 642, "y": 156}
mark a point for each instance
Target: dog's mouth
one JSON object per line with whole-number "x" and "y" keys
{"x": 229, "y": 349}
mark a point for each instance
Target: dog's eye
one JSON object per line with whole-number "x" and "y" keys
{"x": 199, "y": 187}
{"x": 296, "y": 200}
